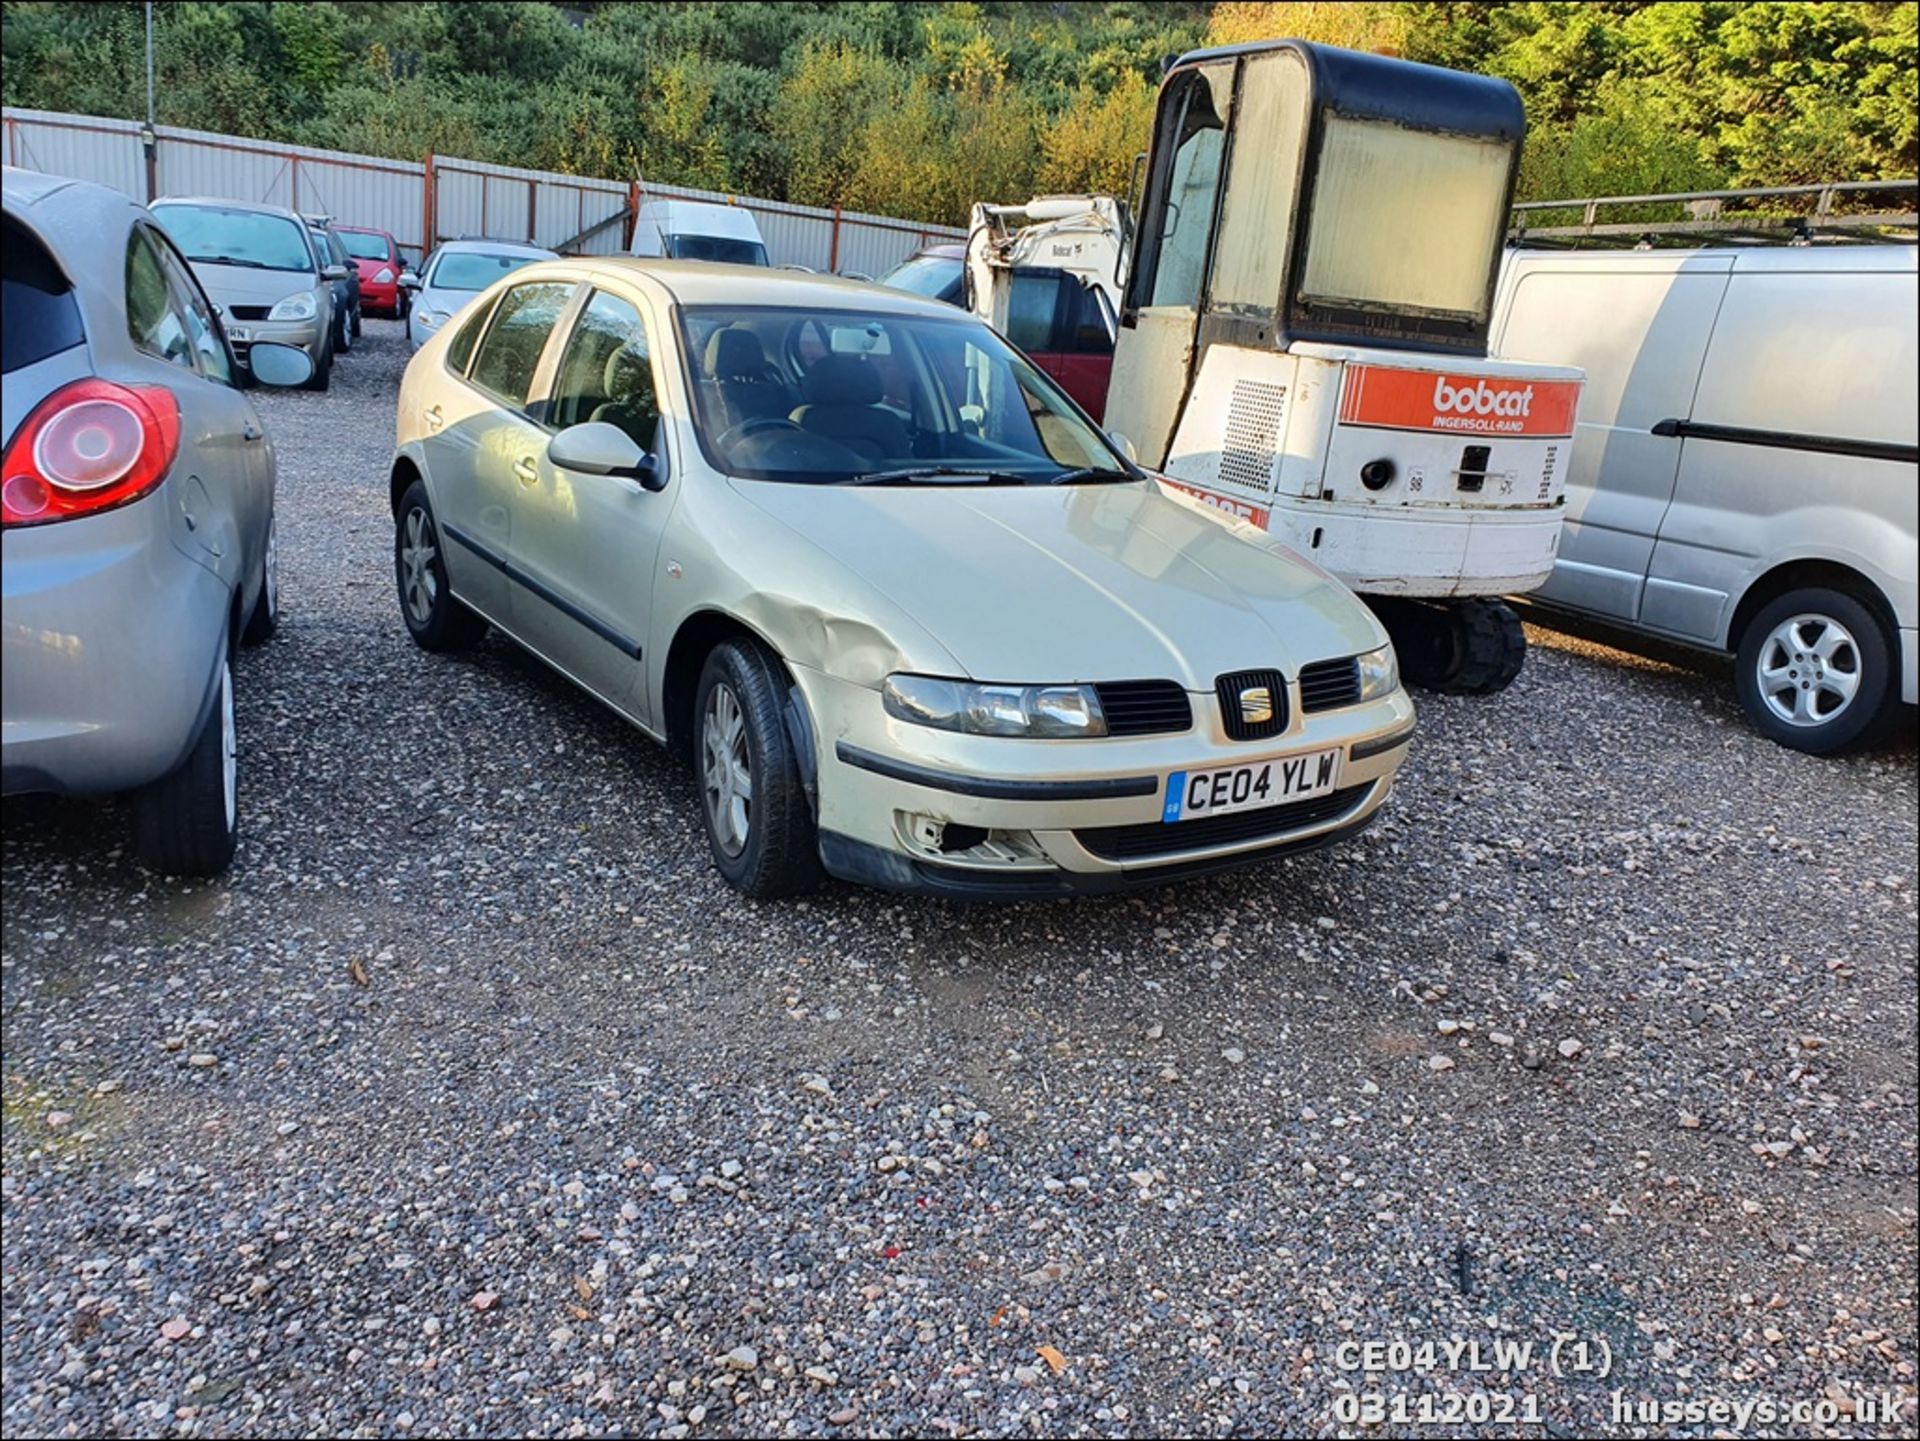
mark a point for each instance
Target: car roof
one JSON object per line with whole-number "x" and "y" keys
{"x": 495, "y": 247}
{"x": 224, "y": 203}
{"x": 699, "y": 282}
{"x": 365, "y": 230}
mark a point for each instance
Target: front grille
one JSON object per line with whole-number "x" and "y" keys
{"x": 1144, "y": 707}
{"x": 1329, "y": 683}
{"x": 249, "y": 312}
{"x": 1238, "y": 689}
{"x": 1162, "y": 838}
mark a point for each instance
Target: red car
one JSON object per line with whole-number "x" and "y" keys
{"x": 376, "y": 255}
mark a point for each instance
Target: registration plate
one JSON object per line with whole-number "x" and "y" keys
{"x": 239, "y": 333}
{"x": 1193, "y": 795}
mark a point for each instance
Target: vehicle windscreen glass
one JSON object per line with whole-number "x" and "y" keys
{"x": 935, "y": 276}
{"x": 38, "y": 316}
{"x": 473, "y": 270}
{"x": 364, "y": 247}
{"x": 843, "y": 396}
{"x": 1380, "y": 184}
{"x": 716, "y": 247}
{"x": 215, "y": 235}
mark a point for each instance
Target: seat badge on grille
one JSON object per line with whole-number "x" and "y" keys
{"x": 1256, "y": 705}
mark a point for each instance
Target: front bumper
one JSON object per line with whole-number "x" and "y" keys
{"x": 377, "y": 299}
{"x": 1069, "y": 817}
{"x": 108, "y": 651}
{"x": 307, "y": 335}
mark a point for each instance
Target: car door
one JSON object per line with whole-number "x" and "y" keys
{"x": 224, "y": 484}
{"x": 585, "y": 546}
{"x": 481, "y": 446}
{"x": 1084, "y": 363}
{"x": 1638, "y": 325}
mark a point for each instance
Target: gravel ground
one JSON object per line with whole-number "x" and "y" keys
{"x": 471, "y": 1102}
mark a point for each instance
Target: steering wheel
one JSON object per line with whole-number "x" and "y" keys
{"x": 752, "y": 426}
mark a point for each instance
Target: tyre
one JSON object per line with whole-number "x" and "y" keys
{"x": 358, "y": 327}
{"x": 1815, "y": 672}
{"x": 342, "y": 331}
{"x": 186, "y": 823}
{"x": 753, "y": 803}
{"x": 322, "y": 375}
{"x": 1464, "y": 647}
{"x": 435, "y": 620}
{"x": 265, "y": 617}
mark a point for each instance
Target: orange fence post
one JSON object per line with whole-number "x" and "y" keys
{"x": 426, "y": 207}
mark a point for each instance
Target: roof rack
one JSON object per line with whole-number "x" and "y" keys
{"x": 1845, "y": 212}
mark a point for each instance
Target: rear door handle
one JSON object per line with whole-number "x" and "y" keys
{"x": 528, "y": 472}
{"x": 435, "y": 419}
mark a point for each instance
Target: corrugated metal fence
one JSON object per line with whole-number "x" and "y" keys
{"x": 438, "y": 198}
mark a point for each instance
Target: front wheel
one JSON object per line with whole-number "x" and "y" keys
{"x": 1815, "y": 672}
{"x": 187, "y": 823}
{"x": 753, "y": 802}
{"x": 1461, "y": 647}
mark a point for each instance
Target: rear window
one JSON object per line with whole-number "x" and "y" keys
{"x": 38, "y": 316}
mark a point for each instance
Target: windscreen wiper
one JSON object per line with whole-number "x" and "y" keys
{"x": 229, "y": 260}
{"x": 969, "y": 474}
{"x": 1090, "y": 473}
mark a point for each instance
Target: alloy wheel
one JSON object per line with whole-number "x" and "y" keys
{"x": 726, "y": 769}
{"x": 1808, "y": 670}
{"x": 419, "y": 586}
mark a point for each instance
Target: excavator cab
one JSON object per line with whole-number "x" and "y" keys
{"x": 1303, "y": 336}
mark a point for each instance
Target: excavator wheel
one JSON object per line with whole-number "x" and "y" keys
{"x": 1459, "y": 647}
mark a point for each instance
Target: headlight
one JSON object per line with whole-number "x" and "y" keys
{"x": 1038, "y": 711}
{"x": 1379, "y": 673}
{"x": 383, "y": 276}
{"x": 296, "y": 307}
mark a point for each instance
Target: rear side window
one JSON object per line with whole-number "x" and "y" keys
{"x": 510, "y": 352}
{"x": 1088, "y": 331}
{"x": 38, "y": 315}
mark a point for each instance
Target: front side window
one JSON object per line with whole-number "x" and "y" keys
{"x": 190, "y": 303}
{"x": 474, "y": 270}
{"x": 1380, "y": 184}
{"x": 510, "y": 351}
{"x": 1256, "y": 215}
{"x": 1186, "y": 184}
{"x": 1089, "y": 326}
{"x": 818, "y": 396}
{"x": 606, "y": 372}
{"x": 220, "y": 235}
{"x": 153, "y": 318}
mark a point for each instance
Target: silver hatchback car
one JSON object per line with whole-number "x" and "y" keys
{"x": 138, "y": 531}
{"x": 914, "y": 619}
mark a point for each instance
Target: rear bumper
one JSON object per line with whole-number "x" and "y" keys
{"x": 108, "y": 651}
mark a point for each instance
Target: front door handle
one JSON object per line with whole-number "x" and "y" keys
{"x": 250, "y": 431}
{"x": 528, "y": 472}
{"x": 434, "y": 418}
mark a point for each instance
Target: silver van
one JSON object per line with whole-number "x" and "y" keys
{"x": 1745, "y": 473}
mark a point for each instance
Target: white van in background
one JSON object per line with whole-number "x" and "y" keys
{"x": 1745, "y": 474}
{"x": 698, "y": 230}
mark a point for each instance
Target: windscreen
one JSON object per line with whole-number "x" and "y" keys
{"x": 215, "y": 235}
{"x": 718, "y": 248}
{"x": 362, "y": 246}
{"x": 474, "y": 270}
{"x": 1405, "y": 220}
{"x": 935, "y": 276}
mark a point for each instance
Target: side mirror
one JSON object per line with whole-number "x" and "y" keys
{"x": 333, "y": 272}
{"x": 1125, "y": 446}
{"x": 595, "y": 447}
{"x": 409, "y": 281}
{"x": 281, "y": 365}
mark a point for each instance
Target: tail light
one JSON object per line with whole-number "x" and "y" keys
{"x": 88, "y": 447}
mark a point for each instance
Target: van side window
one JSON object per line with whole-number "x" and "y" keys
{"x": 510, "y": 352}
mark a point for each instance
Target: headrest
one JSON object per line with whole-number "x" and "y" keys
{"x": 732, "y": 353}
{"x": 627, "y": 371}
{"x": 843, "y": 380}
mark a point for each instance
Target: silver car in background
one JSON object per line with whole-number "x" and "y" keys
{"x": 454, "y": 274}
{"x": 268, "y": 275}
{"x": 138, "y": 520}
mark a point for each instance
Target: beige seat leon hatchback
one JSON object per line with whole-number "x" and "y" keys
{"x": 912, "y": 618}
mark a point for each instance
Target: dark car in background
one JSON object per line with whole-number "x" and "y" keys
{"x": 346, "y": 289}
{"x": 938, "y": 272}
{"x": 376, "y": 256}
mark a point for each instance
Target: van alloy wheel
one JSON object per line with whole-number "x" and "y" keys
{"x": 1808, "y": 669}
{"x": 726, "y": 769}
{"x": 421, "y": 585}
